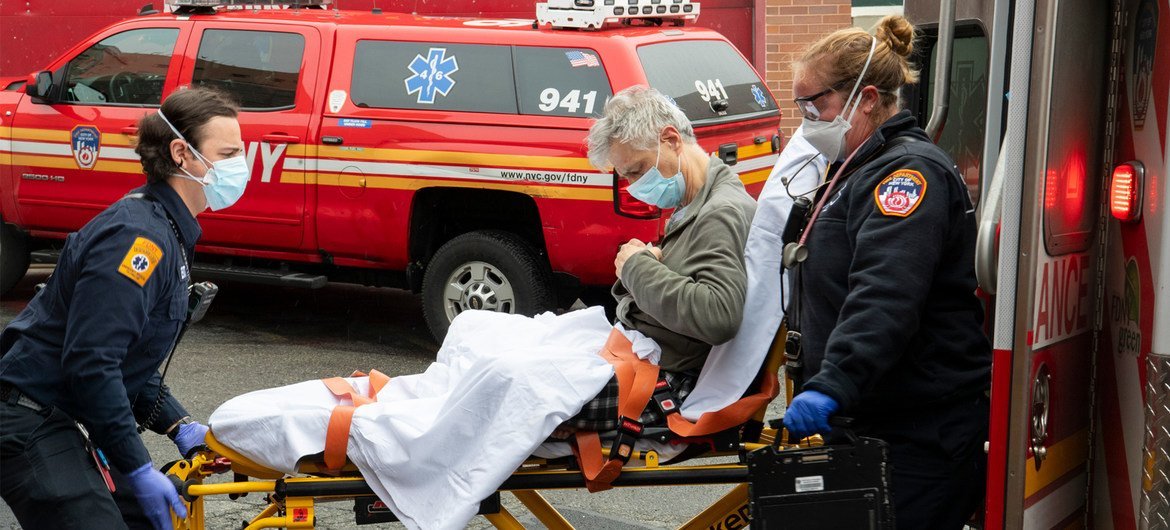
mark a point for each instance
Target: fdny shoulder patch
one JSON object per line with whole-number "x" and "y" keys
{"x": 141, "y": 260}
{"x": 899, "y": 194}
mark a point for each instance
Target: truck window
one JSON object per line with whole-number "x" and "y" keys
{"x": 431, "y": 75}
{"x": 713, "y": 72}
{"x": 962, "y": 134}
{"x": 259, "y": 68}
{"x": 128, "y": 68}
{"x": 560, "y": 81}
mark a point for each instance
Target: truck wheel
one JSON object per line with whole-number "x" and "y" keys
{"x": 13, "y": 257}
{"x": 489, "y": 270}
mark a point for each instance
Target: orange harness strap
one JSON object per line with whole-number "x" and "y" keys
{"x": 636, "y": 379}
{"x": 636, "y": 383}
{"x": 337, "y": 434}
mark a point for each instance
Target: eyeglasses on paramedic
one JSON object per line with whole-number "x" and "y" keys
{"x": 806, "y": 104}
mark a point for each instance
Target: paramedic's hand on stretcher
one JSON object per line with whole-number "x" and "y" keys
{"x": 190, "y": 437}
{"x": 156, "y": 494}
{"x": 808, "y": 414}
{"x": 632, "y": 247}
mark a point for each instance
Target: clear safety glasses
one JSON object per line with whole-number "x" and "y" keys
{"x": 807, "y": 105}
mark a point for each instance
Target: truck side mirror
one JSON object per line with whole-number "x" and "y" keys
{"x": 39, "y": 84}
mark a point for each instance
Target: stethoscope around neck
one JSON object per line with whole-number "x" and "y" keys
{"x": 802, "y": 216}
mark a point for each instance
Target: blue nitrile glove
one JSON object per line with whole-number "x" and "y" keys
{"x": 190, "y": 436}
{"x": 809, "y": 413}
{"x": 156, "y": 493}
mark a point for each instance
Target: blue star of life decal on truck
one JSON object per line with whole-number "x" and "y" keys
{"x": 432, "y": 74}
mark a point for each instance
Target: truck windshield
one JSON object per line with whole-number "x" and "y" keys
{"x": 714, "y": 82}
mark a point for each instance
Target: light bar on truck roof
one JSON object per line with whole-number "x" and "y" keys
{"x": 594, "y": 14}
{"x": 246, "y": 3}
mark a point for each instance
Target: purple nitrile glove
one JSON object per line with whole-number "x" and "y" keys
{"x": 808, "y": 414}
{"x": 190, "y": 436}
{"x": 157, "y": 495}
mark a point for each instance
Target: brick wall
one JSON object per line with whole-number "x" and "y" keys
{"x": 790, "y": 26}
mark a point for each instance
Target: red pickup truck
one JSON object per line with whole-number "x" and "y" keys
{"x": 443, "y": 155}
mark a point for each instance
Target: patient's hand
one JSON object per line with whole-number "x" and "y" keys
{"x": 563, "y": 432}
{"x": 632, "y": 247}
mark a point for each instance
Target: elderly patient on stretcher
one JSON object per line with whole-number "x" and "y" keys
{"x": 433, "y": 445}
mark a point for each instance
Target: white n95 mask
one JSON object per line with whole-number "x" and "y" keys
{"x": 828, "y": 137}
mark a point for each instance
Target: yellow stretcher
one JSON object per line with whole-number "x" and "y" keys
{"x": 291, "y": 500}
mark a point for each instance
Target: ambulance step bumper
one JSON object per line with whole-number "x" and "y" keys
{"x": 259, "y": 276}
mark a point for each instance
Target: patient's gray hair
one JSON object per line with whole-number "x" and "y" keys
{"x": 635, "y": 117}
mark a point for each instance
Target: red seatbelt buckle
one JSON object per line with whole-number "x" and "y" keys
{"x": 628, "y": 432}
{"x": 664, "y": 398}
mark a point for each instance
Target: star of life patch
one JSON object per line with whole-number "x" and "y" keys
{"x": 899, "y": 194}
{"x": 140, "y": 260}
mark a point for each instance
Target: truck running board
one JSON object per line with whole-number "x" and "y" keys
{"x": 209, "y": 271}
{"x": 259, "y": 276}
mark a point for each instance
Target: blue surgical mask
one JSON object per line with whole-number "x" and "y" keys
{"x": 225, "y": 180}
{"x": 654, "y": 188}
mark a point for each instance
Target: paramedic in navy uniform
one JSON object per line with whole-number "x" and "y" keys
{"x": 892, "y": 329}
{"x": 88, "y": 347}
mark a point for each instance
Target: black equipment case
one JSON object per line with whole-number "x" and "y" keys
{"x": 831, "y": 487}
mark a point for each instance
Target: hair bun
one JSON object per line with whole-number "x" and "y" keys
{"x": 897, "y": 33}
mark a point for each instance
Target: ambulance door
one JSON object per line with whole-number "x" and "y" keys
{"x": 1056, "y": 292}
{"x": 271, "y": 73}
{"x": 71, "y": 152}
{"x": 1043, "y": 166}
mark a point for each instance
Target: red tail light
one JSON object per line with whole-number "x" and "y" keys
{"x": 1125, "y": 191}
{"x": 626, "y": 205}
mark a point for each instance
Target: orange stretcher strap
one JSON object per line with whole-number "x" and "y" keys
{"x": 636, "y": 381}
{"x": 337, "y": 434}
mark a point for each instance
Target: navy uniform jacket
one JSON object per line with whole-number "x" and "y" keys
{"x": 91, "y": 342}
{"x": 888, "y": 311}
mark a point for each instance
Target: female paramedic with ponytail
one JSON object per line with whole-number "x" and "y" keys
{"x": 80, "y": 363}
{"x": 891, "y": 329}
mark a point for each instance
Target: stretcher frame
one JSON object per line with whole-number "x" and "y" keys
{"x": 292, "y": 500}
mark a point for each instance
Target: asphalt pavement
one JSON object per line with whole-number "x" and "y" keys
{"x": 257, "y": 337}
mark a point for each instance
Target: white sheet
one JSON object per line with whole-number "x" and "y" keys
{"x": 731, "y": 366}
{"x": 435, "y": 444}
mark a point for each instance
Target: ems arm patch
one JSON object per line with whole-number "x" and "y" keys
{"x": 141, "y": 260}
{"x": 899, "y": 194}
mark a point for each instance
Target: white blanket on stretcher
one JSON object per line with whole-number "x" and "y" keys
{"x": 437, "y": 443}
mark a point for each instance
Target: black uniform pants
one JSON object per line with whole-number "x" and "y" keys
{"x": 939, "y": 467}
{"x": 50, "y": 480}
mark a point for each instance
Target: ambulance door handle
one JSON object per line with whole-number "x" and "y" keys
{"x": 986, "y": 238}
{"x": 278, "y": 138}
{"x": 130, "y": 130}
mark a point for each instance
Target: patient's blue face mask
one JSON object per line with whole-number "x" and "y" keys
{"x": 654, "y": 188}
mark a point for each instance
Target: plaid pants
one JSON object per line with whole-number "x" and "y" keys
{"x": 601, "y": 413}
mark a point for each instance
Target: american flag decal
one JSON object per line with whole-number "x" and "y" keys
{"x": 577, "y": 58}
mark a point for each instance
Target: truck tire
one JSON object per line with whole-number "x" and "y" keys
{"x": 14, "y": 257}
{"x": 490, "y": 270}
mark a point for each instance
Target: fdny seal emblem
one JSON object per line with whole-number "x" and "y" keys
{"x": 86, "y": 143}
{"x": 899, "y": 194}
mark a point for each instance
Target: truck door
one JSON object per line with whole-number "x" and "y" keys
{"x": 72, "y": 154}
{"x": 272, "y": 74}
